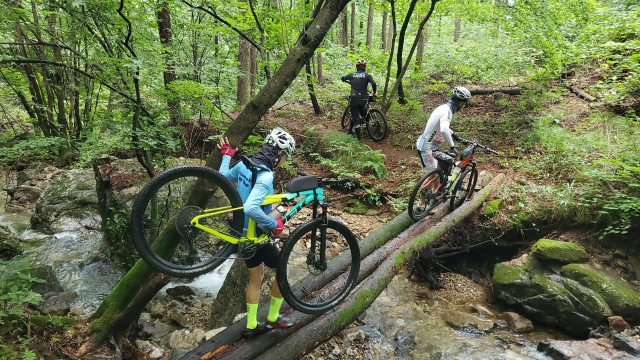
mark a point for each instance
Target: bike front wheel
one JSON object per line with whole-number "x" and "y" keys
{"x": 464, "y": 188}
{"x": 161, "y": 221}
{"x": 346, "y": 118}
{"x": 301, "y": 267}
{"x": 424, "y": 196}
{"x": 377, "y": 125}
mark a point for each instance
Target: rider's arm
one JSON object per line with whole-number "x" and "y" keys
{"x": 346, "y": 78}
{"x": 253, "y": 205}
{"x": 224, "y": 169}
{"x": 446, "y": 132}
{"x": 373, "y": 83}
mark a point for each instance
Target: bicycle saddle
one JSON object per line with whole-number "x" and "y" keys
{"x": 302, "y": 183}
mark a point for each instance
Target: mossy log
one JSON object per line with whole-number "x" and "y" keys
{"x": 306, "y": 339}
{"x": 508, "y": 91}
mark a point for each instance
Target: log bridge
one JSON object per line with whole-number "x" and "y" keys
{"x": 383, "y": 254}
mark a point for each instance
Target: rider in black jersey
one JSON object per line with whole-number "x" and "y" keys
{"x": 359, "y": 81}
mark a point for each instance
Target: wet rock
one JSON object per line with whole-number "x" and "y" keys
{"x": 461, "y": 320}
{"x": 26, "y": 194}
{"x": 179, "y": 352}
{"x": 627, "y": 344}
{"x": 480, "y": 310}
{"x": 158, "y": 309}
{"x": 153, "y": 330}
{"x": 58, "y": 304}
{"x": 211, "y": 333}
{"x": 51, "y": 282}
{"x": 181, "y": 292}
{"x": 152, "y": 351}
{"x": 562, "y": 251}
{"x": 179, "y": 319}
{"x": 622, "y": 299}
{"x": 32, "y": 172}
{"x": 617, "y": 324}
{"x": 9, "y": 247}
{"x": 404, "y": 342}
{"x": 601, "y": 349}
{"x": 517, "y": 322}
{"x": 194, "y": 337}
{"x": 70, "y": 195}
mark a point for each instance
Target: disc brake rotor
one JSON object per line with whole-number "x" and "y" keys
{"x": 183, "y": 222}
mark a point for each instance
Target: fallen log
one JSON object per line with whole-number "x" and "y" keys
{"x": 306, "y": 339}
{"x": 508, "y": 91}
{"x": 581, "y": 93}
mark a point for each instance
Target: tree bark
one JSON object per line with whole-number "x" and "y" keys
{"x": 329, "y": 324}
{"x": 391, "y": 32}
{"x": 581, "y": 93}
{"x": 343, "y": 24}
{"x": 111, "y": 308}
{"x": 164, "y": 28}
{"x": 456, "y": 30}
{"x": 509, "y": 91}
{"x": 403, "y": 31}
{"x": 243, "y": 79}
{"x": 312, "y": 92}
{"x": 423, "y": 37}
{"x": 370, "y": 27}
{"x": 254, "y": 69}
{"x": 384, "y": 31}
{"x": 353, "y": 25}
{"x": 392, "y": 41}
{"x": 320, "y": 79}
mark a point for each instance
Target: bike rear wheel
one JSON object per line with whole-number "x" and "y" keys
{"x": 464, "y": 188}
{"x": 161, "y": 221}
{"x": 346, "y": 118}
{"x": 376, "y": 125}
{"x": 424, "y": 197}
{"x": 298, "y": 274}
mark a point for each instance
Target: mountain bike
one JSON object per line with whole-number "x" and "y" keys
{"x": 455, "y": 184}
{"x": 374, "y": 120}
{"x": 188, "y": 220}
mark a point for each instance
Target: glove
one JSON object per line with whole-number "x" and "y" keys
{"x": 226, "y": 149}
{"x": 455, "y": 136}
{"x": 375, "y": 94}
{"x": 279, "y": 227}
{"x": 454, "y": 151}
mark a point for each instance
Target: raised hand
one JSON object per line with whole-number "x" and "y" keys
{"x": 225, "y": 147}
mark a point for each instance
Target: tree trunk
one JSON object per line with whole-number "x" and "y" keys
{"x": 509, "y": 91}
{"x": 243, "y": 79}
{"x": 254, "y": 69}
{"x": 353, "y": 25}
{"x": 384, "y": 31}
{"x": 392, "y": 42}
{"x": 164, "y": 28}
{"x": 320, "y": 79}
{"x": 329, "y": 324}
{"x": 343, "y": 24}
{"x": 423, "y": 37}
{"x": 379, "y": 238}
{"x": 370, "y": 27}
{"x": 403, "y": 31}
{"x": 58, "y": 80}
{"x": 312, "y": 92}
{"x": 44, "y": 71}
{"x": 111, "y": 308}
{"x": 391, "y": 33}
{"x": 456, "y": 30}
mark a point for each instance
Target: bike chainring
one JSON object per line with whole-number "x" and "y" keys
{"x": 247, "y": 249}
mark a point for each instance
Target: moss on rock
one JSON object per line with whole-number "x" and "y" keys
{"x": 565, "y": 252}
{"x": 355, "y": 206}
{"x": 53, "y": 322}
{"x": 622, "y": 299}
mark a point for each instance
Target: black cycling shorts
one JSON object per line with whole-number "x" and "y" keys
{"x": 267, "y": 255}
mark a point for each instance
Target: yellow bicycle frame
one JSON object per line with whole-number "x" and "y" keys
{"x": 309, "y": 196}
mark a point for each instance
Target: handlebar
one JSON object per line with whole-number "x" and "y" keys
{"x": 486, "y": 149}
{"x": 328, "y": 181}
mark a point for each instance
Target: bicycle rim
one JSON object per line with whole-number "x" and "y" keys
{"x": 300, "y": 281}
{"x": 346, "y": 118}
{"x": 377, "y": 125}
{"x": 162, "y": 214}
{"x": 424, "y": 197}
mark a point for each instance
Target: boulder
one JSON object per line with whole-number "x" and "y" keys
{"x": 179, "y": 352}
{"x": 621, "y": 298}
{"x": 32, "y": 172}
{"x": 562, "y": 251}
{"x": 26, "y": 194}
{"x": 627, "y": 344}
{"x": 152, "y": 351}
{"x": 517, "y": 322}
{"x": 355, "y": 206}
{"x": 180, "y": 292}
{"x": 69, "y": 195}
{"x": 462, "y": 320}
{"x": 617, "y": 324}
{"x": 588, "y": 349}
{"x": 549, "y": 298}
{"x": 9, "y": 247}
{"x": 58, "y": 304}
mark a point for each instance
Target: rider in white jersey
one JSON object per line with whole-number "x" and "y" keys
{"x": 437, "y": 131}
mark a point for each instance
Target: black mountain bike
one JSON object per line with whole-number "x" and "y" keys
{"x": 455, "y": 184}
{"x": 375, "y": 121}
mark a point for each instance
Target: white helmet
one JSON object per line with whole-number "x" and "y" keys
{"x": 282, "y": 140}
{"x": 460, "y": 93}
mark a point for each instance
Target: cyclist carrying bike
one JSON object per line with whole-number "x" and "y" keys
{"x": 253, "y": 189}
{"x": 359, "y": 81}
{"x": 437, "y": 131}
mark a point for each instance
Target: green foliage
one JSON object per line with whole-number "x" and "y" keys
{"x": 35, "y": 148}
{"x": 96, "y": 145}
{"x": 345, "y": 156}
{"x": 15, "y": 292}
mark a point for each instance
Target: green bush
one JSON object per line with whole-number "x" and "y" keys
{"x": 345, "y": 156}
{"x": 35, "y": 148}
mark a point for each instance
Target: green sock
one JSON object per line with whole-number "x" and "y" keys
{"x": 252, "y": 316}
{"x": 274, "y": 309}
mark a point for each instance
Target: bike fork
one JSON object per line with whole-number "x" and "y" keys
{"x": 321, "y": 263}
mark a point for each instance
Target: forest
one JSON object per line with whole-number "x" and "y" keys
{"x": 540, "y": 258}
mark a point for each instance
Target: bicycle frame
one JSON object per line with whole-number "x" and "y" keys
{"x": 309, "y": 197}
